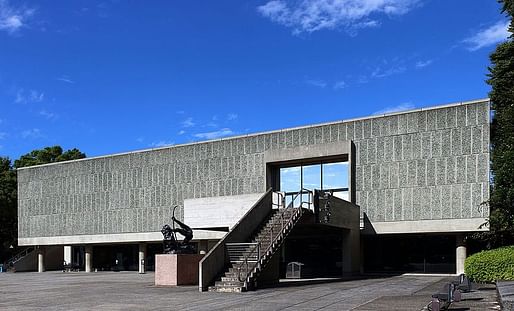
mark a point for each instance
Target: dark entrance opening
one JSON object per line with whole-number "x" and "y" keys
{"x": 317, "y": 248}
{"x": 116, "y": 257}
{"x": 77, "y": 257}
{"x": 409, "y": 253}
{"x": 151, "y": 250}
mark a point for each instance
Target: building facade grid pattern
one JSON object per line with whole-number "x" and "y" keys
{"x": 420, "y": 165}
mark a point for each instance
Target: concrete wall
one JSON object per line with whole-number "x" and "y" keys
{"x": 424, "y": 165}
{"x": 223, "y": 211}
{"x": 421, "y": 165}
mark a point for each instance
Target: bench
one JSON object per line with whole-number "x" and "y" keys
{"x": 451, "y": 292}
{"x": 69, "y": 267}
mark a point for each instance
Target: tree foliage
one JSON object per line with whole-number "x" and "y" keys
{"x": 501, "y": 79}
{"x": 8, "y": 198}
{"x": 8, "y": 190}
{"x": 48, "y": 155}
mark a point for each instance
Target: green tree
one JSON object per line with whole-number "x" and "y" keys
{"x": 501, "y": 79}
{"x": 48, "y": 155}
{"x": 8, "y": 223}
{"x": 8, "y": 190}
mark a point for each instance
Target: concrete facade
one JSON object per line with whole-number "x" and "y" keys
{"x": 422, "y": 165}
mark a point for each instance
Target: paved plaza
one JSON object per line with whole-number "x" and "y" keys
{"x": 132, "y": 291}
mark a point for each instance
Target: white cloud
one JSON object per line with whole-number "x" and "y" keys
{"x": 161, "y": 143}
{"x": 340, "y": 85}
{"x": 382, "y": 72}
{"x": 65, "y": 79}
{"x": 488, "y": 36}
{"x": 13, "y": 19}
{"x": 181, "y": 132}
{"x": 295, "y": 169}
{"x": 349, "y": 15}
{"x": 32, "y": 133}
{"x": 216, "y": 134}
{"x": 232, "y": 116}
{"x": 47, "y": 114}
{"x": 30, "y": 96}
{"x": 3, "y": 135}
{"x": 140, "y": 139}
{"x": 400, "y": 107}
{"x": 188, "y": 122}
{"x": 180, "y": 111}
{"x": 423, "y": 63}
{"x": 317, "y": 83}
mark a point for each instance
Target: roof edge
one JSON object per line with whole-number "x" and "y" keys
{"x": 454, "y": 104}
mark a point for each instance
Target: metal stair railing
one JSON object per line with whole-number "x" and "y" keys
{"x": 14, "y": 259}
{"x": 239, "y": 252}
{"x": 284, "y": 222}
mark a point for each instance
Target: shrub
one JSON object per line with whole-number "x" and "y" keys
{"x": 491, "y": 266}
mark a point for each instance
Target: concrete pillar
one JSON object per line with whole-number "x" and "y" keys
{"x": 89, "y": 258}
{"x": 351, "y": 252}
{"x": 460, "y": 254}
{"x": 40, "y": 259}
{"x": 67, "y": 254}
{"x": 142, "y": 257}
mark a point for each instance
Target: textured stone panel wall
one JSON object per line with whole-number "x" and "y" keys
{"x": 432, "y": 164}
{"x": 429, "y": 164}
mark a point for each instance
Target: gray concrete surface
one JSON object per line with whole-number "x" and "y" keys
{"x": 132, "y": 291}
{"x": 506, "y": 293}
{"x": 422, "y": 165}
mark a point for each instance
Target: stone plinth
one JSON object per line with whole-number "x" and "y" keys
{"x": 176, "y": 269}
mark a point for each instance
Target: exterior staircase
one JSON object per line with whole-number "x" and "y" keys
{"x": 10, "y": 265}
{"x": 247, "y": 260}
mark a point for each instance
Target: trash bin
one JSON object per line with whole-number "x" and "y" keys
{"x": 294, "y": 270}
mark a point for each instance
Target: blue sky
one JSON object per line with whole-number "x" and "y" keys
{"x": 115, "y": 76}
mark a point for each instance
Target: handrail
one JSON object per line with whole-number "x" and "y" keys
{"x": 246, "y": 260}
{"x": 294, "y": 196}
{"x": 274, "y": 238}
{"x": 14, "y": 259}
{"x": 215, "y": 260}
{"x": 281, "y": 200}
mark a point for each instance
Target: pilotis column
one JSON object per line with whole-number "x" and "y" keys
{"x": 89, "y": 258}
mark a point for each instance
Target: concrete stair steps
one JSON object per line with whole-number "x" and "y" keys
{"x": 235, "y": 271}
{"x": 229, "y": 283}
{"x": 234, "y": 275}
{"x": 229, "y": 279}
{"x": 226, "y": 289}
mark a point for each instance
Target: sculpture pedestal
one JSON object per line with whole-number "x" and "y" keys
{"x": 176, "y": 269}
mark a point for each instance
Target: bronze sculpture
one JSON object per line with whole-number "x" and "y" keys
{"x": 170, "y": 243}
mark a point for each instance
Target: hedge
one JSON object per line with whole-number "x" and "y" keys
{"x": 490, "y": 266}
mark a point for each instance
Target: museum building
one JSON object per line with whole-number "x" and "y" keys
{"x": 396, "y": 192}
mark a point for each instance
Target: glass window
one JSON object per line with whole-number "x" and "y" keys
{"x": 326, "y": 176}
{"x": 291, "y": 181}
{"x": 311, "y": 178}
{"x": 335, "y": 175}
